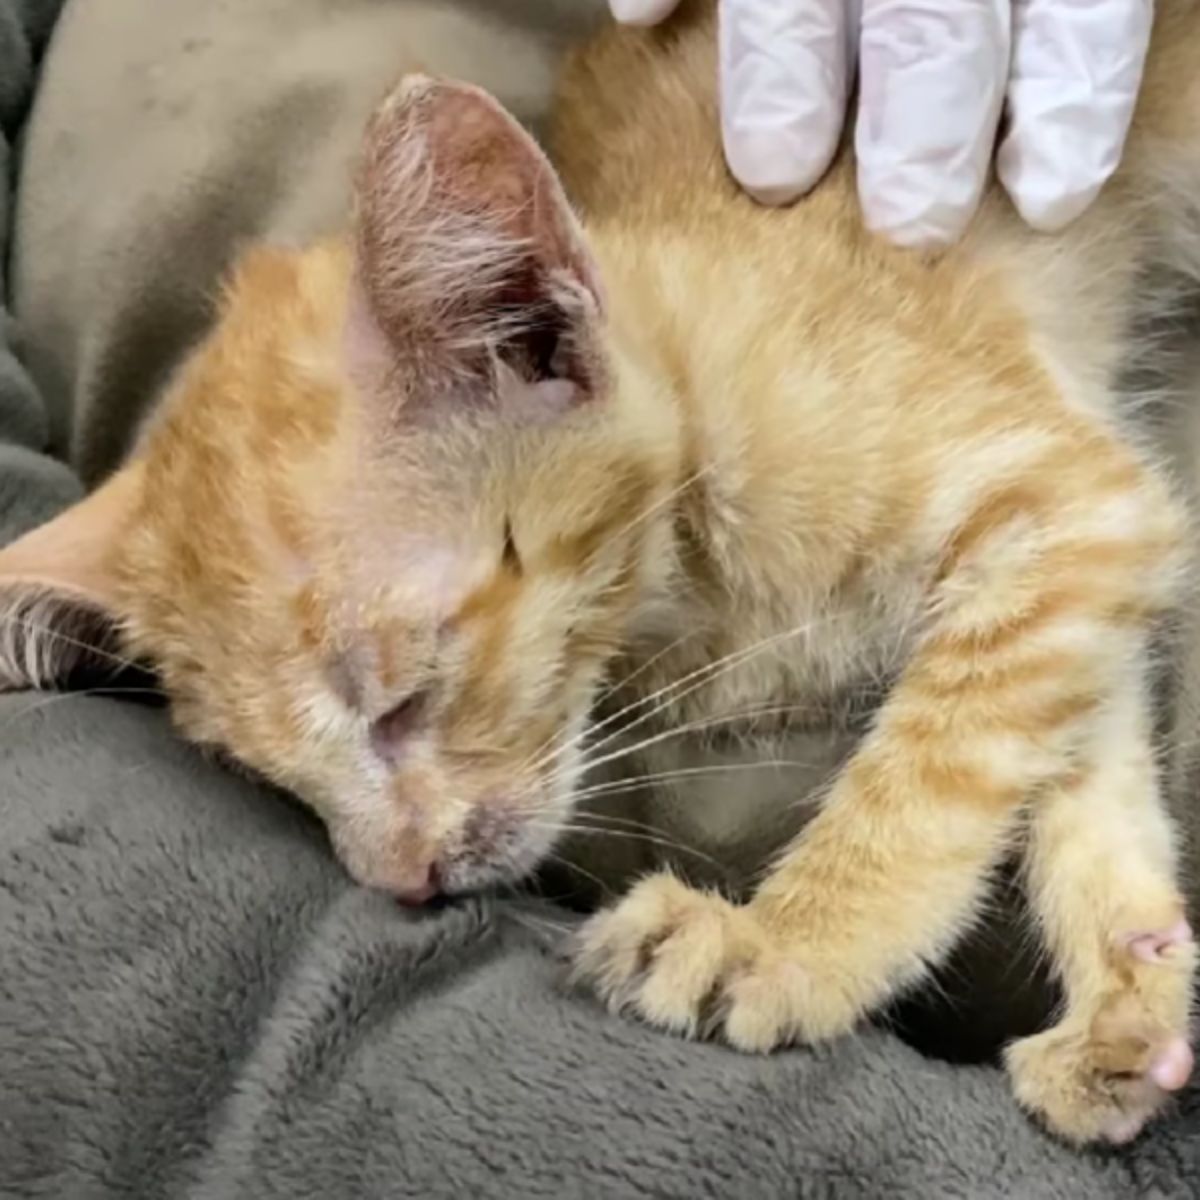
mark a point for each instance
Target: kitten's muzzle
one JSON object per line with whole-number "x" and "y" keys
{"x": 493, "y": 844}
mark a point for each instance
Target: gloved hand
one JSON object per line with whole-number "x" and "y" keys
{"x": 934, "y": 78}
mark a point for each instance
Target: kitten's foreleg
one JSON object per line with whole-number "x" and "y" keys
{"x": 1040, "y": 613}
{"x": 1101, "y": 877}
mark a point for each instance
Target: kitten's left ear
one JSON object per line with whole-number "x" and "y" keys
{"x": 58, "y": 594}
{"x": 470, "y": 260}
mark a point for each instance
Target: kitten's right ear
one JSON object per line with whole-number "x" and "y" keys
{"x": 471, "y": 267}
{"x": 58, "y": 606}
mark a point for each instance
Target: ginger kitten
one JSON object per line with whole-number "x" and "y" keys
{"x": 428, "y": 496}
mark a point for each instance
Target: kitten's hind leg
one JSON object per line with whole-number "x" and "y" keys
{"x": 1101, "y": 876}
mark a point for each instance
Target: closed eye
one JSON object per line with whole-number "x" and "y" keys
{"x": 390, "y": 732}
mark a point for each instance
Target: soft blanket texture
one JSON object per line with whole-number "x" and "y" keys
{"x": 194, "y": 1001}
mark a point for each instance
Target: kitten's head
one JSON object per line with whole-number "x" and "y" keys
{"x": 388, "y": 529}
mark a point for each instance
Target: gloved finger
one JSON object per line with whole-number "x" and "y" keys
{"x": 1075, "y": 78}
{"x": 641, "y": 12}
{"x": 785, "y": 78}
{"x": 933, "y": 76}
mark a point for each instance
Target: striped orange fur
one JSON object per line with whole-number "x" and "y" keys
{"x": 428, "y": 496}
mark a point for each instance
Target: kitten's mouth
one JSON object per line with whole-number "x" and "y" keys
{"x": 510, "y": 867}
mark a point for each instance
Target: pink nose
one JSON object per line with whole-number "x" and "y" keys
{"x": 422, "y": 893}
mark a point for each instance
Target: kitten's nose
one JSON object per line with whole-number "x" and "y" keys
{"x": 422, "y": 893}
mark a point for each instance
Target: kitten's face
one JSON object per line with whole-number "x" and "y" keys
{"x": 405, "y": 629}
{"x": 388, "y": 573}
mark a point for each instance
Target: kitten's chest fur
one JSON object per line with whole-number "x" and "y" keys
{"x": 750, "y": 683}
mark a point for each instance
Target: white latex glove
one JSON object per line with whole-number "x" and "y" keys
{"x": 935, "y": 76}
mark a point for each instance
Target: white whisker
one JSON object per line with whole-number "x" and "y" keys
{"x": 696, "y": 726}
{"x": 626, "y": 680}
{"x": 651, "y": 509}
{"x": 546, "y": 750}
{"x": 633, "y": 782}
{"x": 671, "y": 693}
{"x": 658, "y": 838}
{"x": 567, "y": 865}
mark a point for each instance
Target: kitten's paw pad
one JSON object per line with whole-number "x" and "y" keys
{"x": 1102, "y": 1083}
{"x": 696, "y": 964}
{"x": 1172, "y": 1066}
{"x": 1159, "y": 945}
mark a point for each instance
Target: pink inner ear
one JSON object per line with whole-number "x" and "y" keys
{"x": 467, "y": 249}
{"x": 544, "y": 400}
{"x": 485, "y": 158}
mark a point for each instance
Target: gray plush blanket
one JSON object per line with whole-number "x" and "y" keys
{"x": 194, "y": 1001}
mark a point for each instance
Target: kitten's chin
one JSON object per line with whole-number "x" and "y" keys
{"x": 517, "y": 866}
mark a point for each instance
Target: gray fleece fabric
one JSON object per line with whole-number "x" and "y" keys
{"x": 33, "y": 486}
{"x": 194, "y": 1000}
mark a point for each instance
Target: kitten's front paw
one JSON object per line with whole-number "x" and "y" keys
{"x": 1103, "y": 1080}
{"x": 696, "y": 964}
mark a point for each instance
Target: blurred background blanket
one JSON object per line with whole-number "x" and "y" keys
{"x": 194, "y": 1001}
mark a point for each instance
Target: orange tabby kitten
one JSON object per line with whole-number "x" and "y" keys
{"x": 422, "y": 491}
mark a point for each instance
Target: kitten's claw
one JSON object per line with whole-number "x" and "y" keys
{"x": 694, "y": 963}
